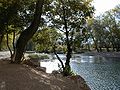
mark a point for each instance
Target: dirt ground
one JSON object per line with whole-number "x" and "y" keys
{"x": 23, "y": 77}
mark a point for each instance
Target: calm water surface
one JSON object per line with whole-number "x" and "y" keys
{"x": 100, "y": 73}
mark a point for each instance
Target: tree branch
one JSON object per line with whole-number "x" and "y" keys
{"x": 58, "y": 57}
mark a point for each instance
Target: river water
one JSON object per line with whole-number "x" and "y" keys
{"x": 100, "y": 73}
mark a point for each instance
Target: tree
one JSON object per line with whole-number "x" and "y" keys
{"x": 68, "y": 16}
{"x": 45, "y": 39}
{"x": 90, "y": 27}
{"x": 27, "y": 34}
{"x": 15, "y": 13}
{"x": 105, "y": 30}
{"x": 111, "y": 27}
{"x": 8, "y": 12}
{"x": 115, "y": 15}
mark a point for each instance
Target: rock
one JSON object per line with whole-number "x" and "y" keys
{"x": 43, "y": 69}
{"x": 55, "y": 72}
{"x": 29, "y": 62}
{"x": 80, "y": 82}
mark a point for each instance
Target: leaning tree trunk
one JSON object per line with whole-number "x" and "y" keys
{"x": 27, "y": 34}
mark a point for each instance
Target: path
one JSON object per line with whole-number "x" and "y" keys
{"x": 21, "y": 77}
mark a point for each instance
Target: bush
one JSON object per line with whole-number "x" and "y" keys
{"x": 43, "y": 57}
{"x": 33, "y": 56}
{"x": 68, "y": 72}
{"x": 36, "y": 56}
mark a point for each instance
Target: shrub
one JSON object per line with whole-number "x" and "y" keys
{"x": 36, "y": 56}
{"x": 43, "y": 57}
{"x": 33, "y": 56}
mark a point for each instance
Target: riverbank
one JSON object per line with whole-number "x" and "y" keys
{"x": 24, "y": 77}
{"x": 6, "y": 54}
{"x": 103, "y": 54}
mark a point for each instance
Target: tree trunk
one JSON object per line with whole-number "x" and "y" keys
{"x": 27, "y": 34}
{"x": 96, "y": 47}
{"x": 13, "y": 43}
{"x": 67, "y": 68}
{"x": 107, "y": 48}
{"x": 1, "y": 38}
{"x": 58, "y": 57}
{"x": 7, "y": 36}
{"x": 95, "y": 42}
{"x": 100, "y": 49}
{"x": 88, "y": 46}
{"x": 117, "y": 48}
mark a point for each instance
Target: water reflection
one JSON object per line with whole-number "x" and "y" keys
{"x": 99, "y": 72}
{"x": 95, "y": 59}
{"x": 50, "y": 65}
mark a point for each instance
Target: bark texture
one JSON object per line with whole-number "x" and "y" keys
{"x": 1, "y": 38}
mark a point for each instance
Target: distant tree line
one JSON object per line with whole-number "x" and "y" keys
{"x": 105, "y": 30}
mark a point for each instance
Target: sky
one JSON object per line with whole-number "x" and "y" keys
{"x": 104, "y": 5}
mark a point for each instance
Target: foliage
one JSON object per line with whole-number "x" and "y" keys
{"x": 15, "y": 15}
{"x": 33, "y": 56}
{"x": 40, "y": 57}
{"x": 43, "y": 57}
{"x": 105, "y": 30}
{"x": 66, "y": 71}
{"x": 68, "y": 16}
{"x": 45, "y": 39}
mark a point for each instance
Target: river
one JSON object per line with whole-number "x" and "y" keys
{"x": 100, "y": 73}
